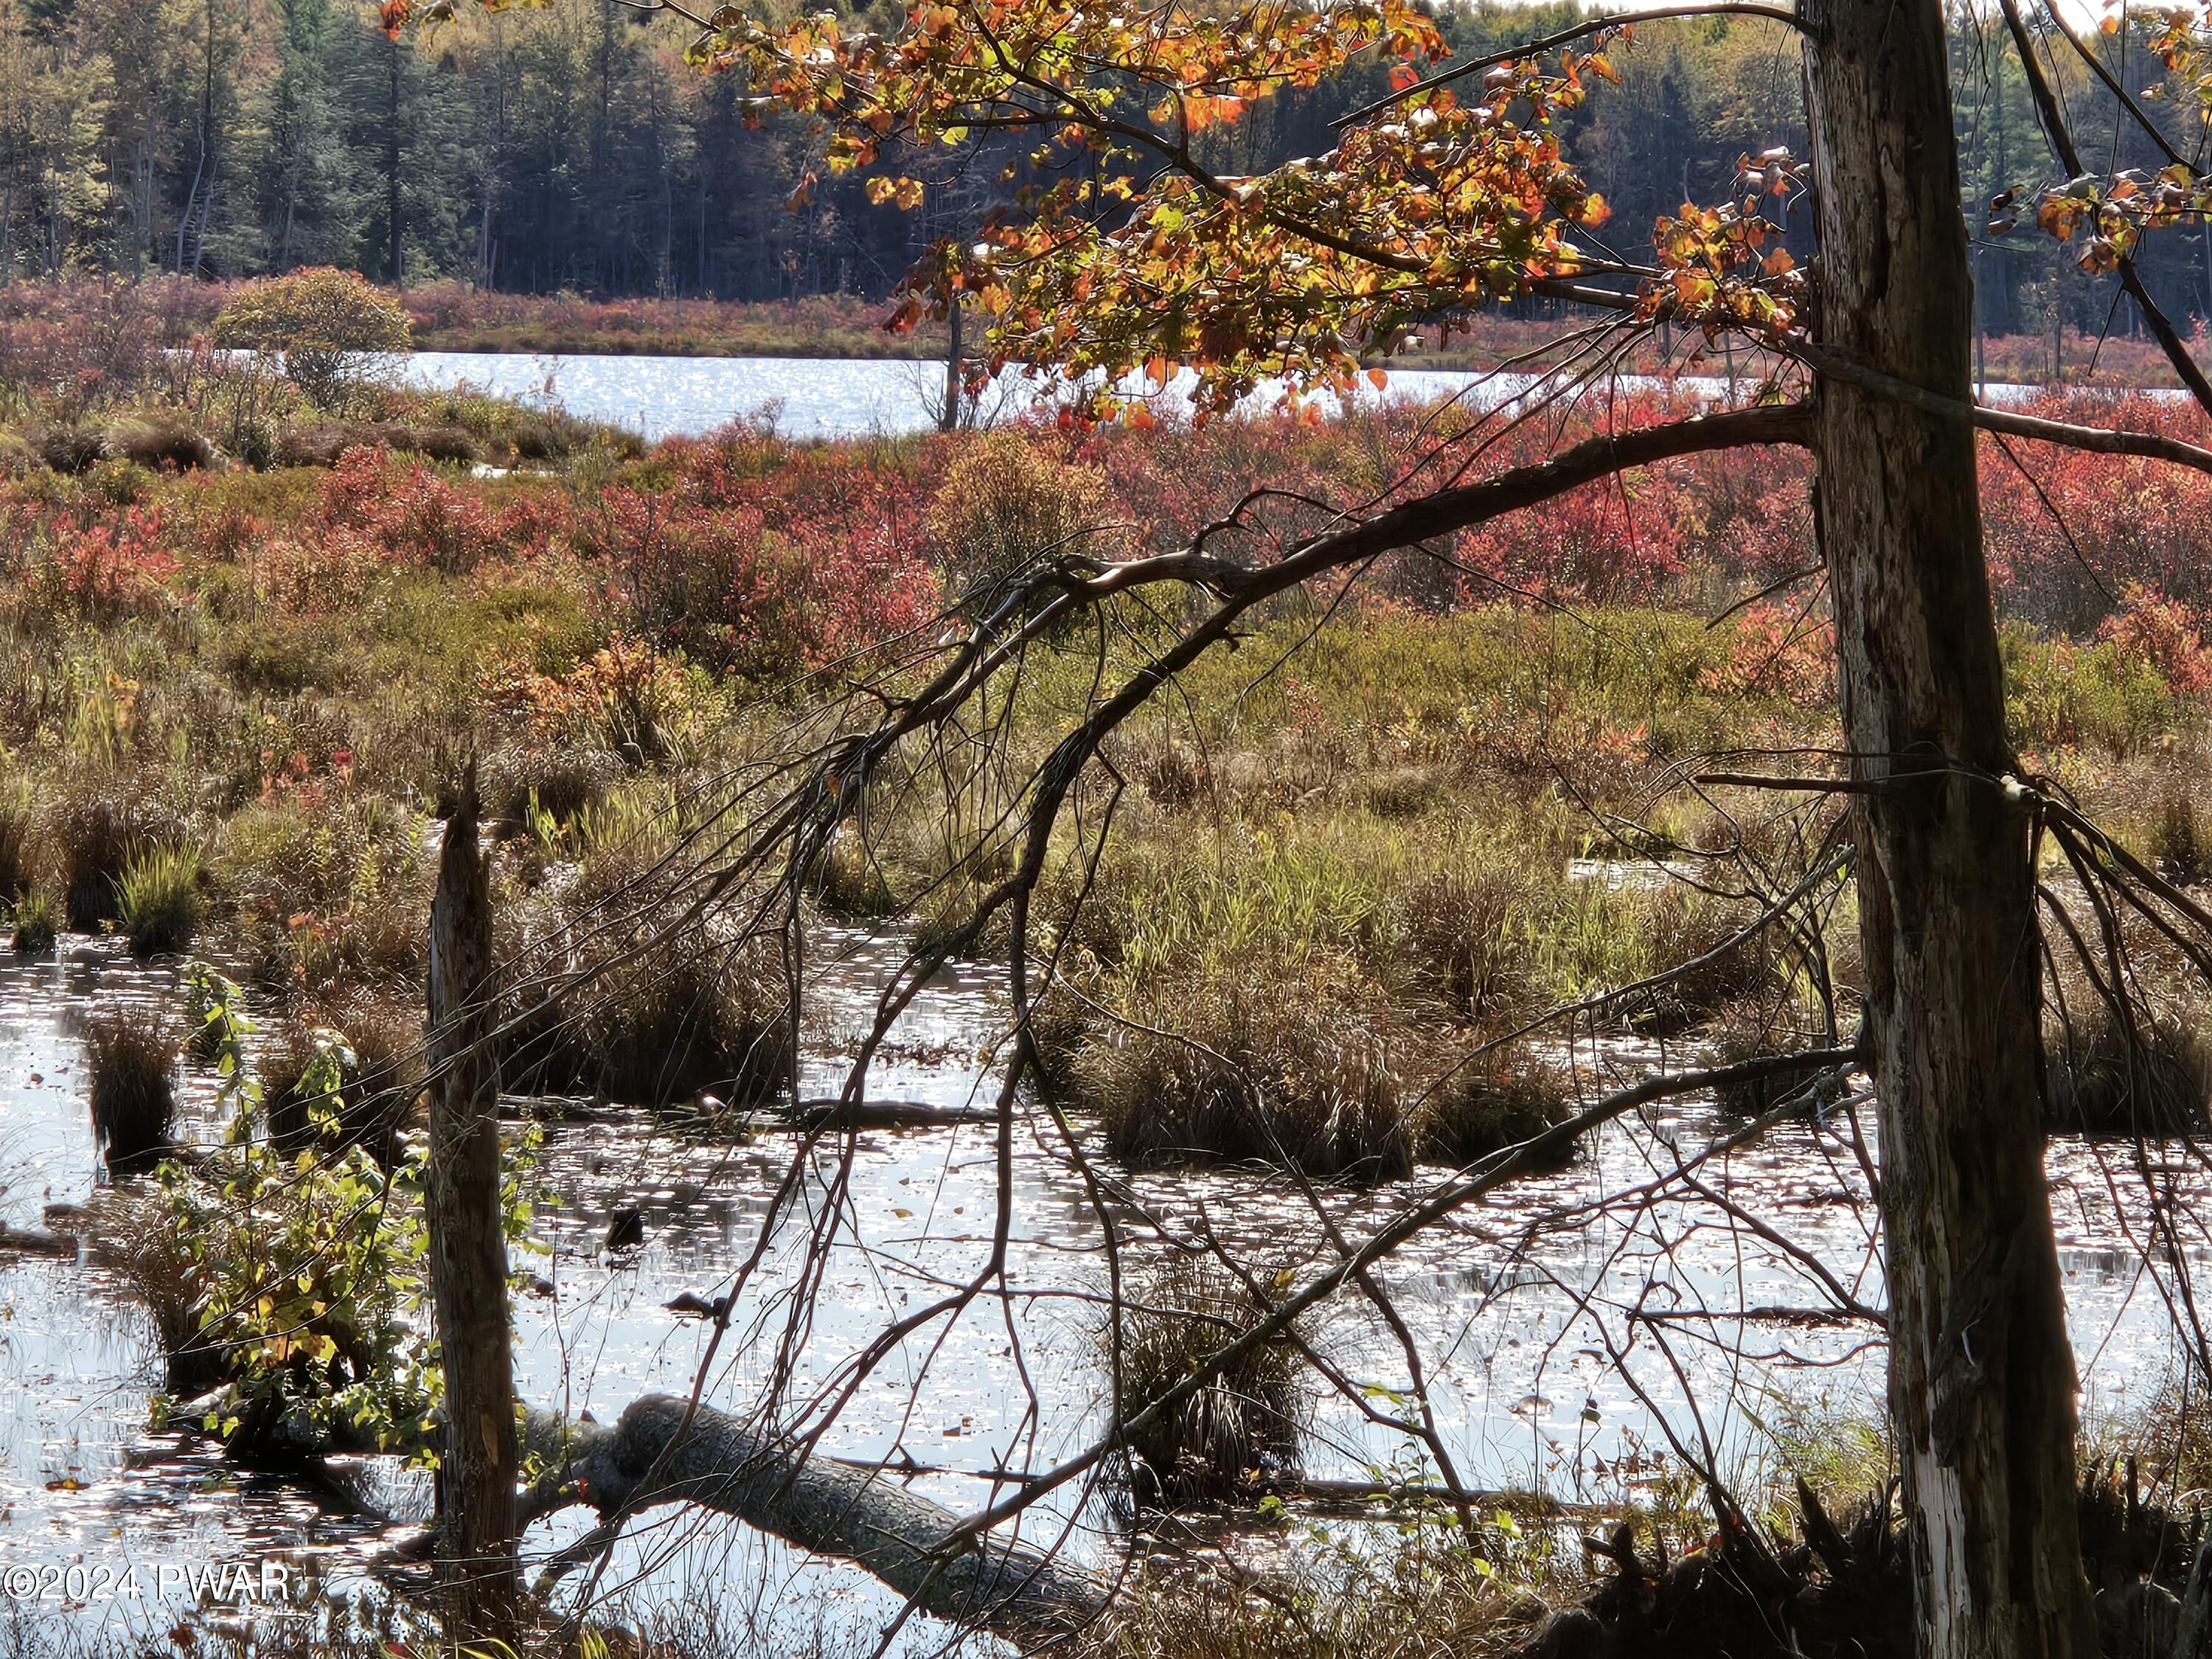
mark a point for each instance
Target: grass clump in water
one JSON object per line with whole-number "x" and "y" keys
{"x": 676, "y": 1004}
{"x": 1697, "y": 936}
{"x": 1283, "y": 1067}
{"x": 36, "y": 925}
{"x": 16, "y": 824}
{"x": 2151, "y": 1077}
{"x": 133, "y": 1062}
{"x": 160, "y": 901}
{"x": 1494, "y": 1102}
{"x": 1234, "y": 1437}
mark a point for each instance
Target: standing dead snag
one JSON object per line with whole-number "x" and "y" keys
{"x": 1981, "y": 1378}
{"x": 468, "y": 1245}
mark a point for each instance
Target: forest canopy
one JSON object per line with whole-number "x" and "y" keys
{"x": 569, "y": 147}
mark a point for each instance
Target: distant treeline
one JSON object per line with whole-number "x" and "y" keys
{"x": 567, "y": 146}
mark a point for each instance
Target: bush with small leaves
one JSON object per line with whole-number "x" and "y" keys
{"x": 326, "y": 327}
{"x": 1007, "y": 501}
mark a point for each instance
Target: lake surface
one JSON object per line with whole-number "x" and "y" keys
{"x": 1520, "y": 1307}
{"x": 856, "y": 397}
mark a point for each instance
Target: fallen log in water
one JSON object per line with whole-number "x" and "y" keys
{"x": 651, "y": 1456}
{"x": 824, "y": 1506}
{"x": 32, "y": 1242}
{"x": 824, "y": 1113}
{"x": 835, "y": 1114}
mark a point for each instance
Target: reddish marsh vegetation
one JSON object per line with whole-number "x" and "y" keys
{"x": 232, "y": 694}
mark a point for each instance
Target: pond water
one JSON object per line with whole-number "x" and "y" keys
{"x": 852, "y": 398}
{"x": 1518, "y": 1307}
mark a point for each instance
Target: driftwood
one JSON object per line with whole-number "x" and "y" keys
{"x": 825, "y": 1113}
{"x": 34, "y": 1242}
{"x": 835, "y": 1114}
{"x": 827, "y": 1507}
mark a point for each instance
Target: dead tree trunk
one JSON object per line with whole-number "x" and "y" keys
{"x": 1981, "y": 1377}
{"x": 468, "y": 1245}
{"x": 949, "y": 418}
{"x": 861, "y": 1515}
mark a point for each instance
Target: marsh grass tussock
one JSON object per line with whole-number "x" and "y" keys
{"x": 158, "y": 443}
{"x": 1231, "y": 1440}
{"x": 34, "y": 923}
{"x": 1698, "y": 938}
{"x": 17, "y": 824}
{"x": 1757, "y": 1029}
{"x": 160, "y": 903}
{"x": 1490, "y": 1102}
{"x": 675, "y": 1004}
{"x": 556, "y": 785}
{"x": 136, "y": 1237}
{"x": 2151, "y": 1075}
{"x": 131, "y": 1057}
{"x": 98, "y": 833}
{"x": 1470, "y": 938}
{"x": 324, "y": 891}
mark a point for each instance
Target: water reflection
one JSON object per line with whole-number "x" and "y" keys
{"x": 1520, "y": 1304}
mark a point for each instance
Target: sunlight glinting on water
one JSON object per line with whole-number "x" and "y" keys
{"x": 1525, "y": 1382}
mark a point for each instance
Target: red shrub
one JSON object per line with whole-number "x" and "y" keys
{"x": 112, "y": 568}
{"x": 2167, "y": 633}
{"x": 746, "y": 598}
{"x": 2069, "y": 532}
{"x": 406, "y": 512}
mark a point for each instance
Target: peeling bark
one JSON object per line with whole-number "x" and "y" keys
{"x": 1981, "y": 1375}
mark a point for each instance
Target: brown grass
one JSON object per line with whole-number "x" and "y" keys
{"x": 158, "y": 443}
{"x": 133, "y": 1058}
{"x": 1494, "y": 1103}
{"x": 701, "y": 1009}
{"x": 1234, "y": 1437}
{"x": 1288, "y": 1071}
{"x": 2102, "y": 1078}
